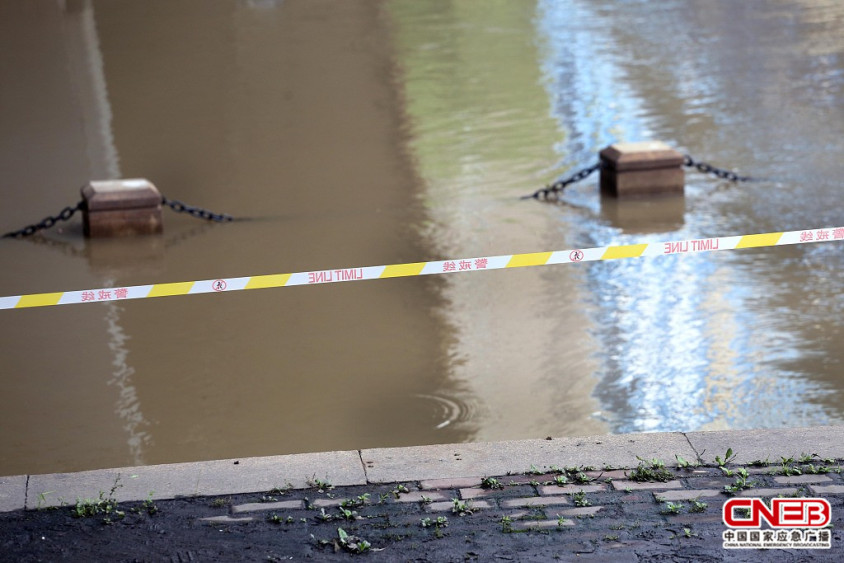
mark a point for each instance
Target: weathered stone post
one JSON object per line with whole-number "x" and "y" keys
{"x": 641, "y": 169}
{"x": 121, "y": 207}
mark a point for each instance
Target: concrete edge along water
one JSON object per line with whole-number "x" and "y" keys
{"x": 481, "y": 263}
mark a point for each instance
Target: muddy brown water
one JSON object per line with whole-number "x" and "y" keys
{"x": 358, "y": 133}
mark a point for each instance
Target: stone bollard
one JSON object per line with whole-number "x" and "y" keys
{"x": 116, "y": 208}
{"x": 641, "y": 169}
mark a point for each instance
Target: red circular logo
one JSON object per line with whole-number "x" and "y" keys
{"x": 576, "y": 255}
{"x": 218, "y": 285}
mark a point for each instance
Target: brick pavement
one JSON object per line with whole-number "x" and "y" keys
{"x": 565, "y": 513}
{"x": 434, "y": 503}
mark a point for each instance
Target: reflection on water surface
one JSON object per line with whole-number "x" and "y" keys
{"x": 361, "y": 134}
{"x": 714, "y": 341}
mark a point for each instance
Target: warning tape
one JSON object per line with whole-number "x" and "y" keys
{"x": 423, "y": 268}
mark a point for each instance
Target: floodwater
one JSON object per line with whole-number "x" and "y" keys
{"x": 363, "y": 133}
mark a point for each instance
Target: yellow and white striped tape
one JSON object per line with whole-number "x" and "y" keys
{"x": 423, "y": 268}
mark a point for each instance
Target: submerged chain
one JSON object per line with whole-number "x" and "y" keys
{"x": 544, "y": 193}
{"x": 68, "y": 212}
{"x": 46, "y": 222}
{"x": 197, "y": 212}
{"x": 557, "y": 187}
{"x": 560, "y": 185}
{"x": 720, "y": 172}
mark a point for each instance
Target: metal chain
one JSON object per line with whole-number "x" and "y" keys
{"x": 560, "y": 185}
{"x": 557, "y": 187}
{"x": 68, "y": 212}
{"x": 46, "y": 222}
{"x": 197, "y": 212}
{"x": 721, "y": 173}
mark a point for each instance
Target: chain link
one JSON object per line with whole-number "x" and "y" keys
{"x": 720, "y": 172}
{"x": 197, "y": 212}
{"x": 557, "y": 187}
{"x": 46, "y": 222}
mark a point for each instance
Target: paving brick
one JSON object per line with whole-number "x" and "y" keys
{"x": 227, "y": 519}
{"x": 610, "y": 474}
{"x": 580, "y": 511}
{"x": 760, "y": 470}
{"x": 458, "y": 483}
{"x": 478, "y": 493}
{"x": 635, "y": 485}
{"x": 447, "y": 506}
{"x": 417, "y": 496}
{"x": 800, "y": 479}
{"x": 570, "y": 489}
{"x": 534, "y": 501}
{"x": 524, "y": 479}
{"x": 265, "y": 506}
{"x": 827, "y": 489}
{"x": 537, "y": 479}
{"x": 768, "y": 492}
{"x": 714, "y": 483}
{"x": 541, "y": 524}
{"x": 686, "y": 494}
{"x": 327, "y": 502}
